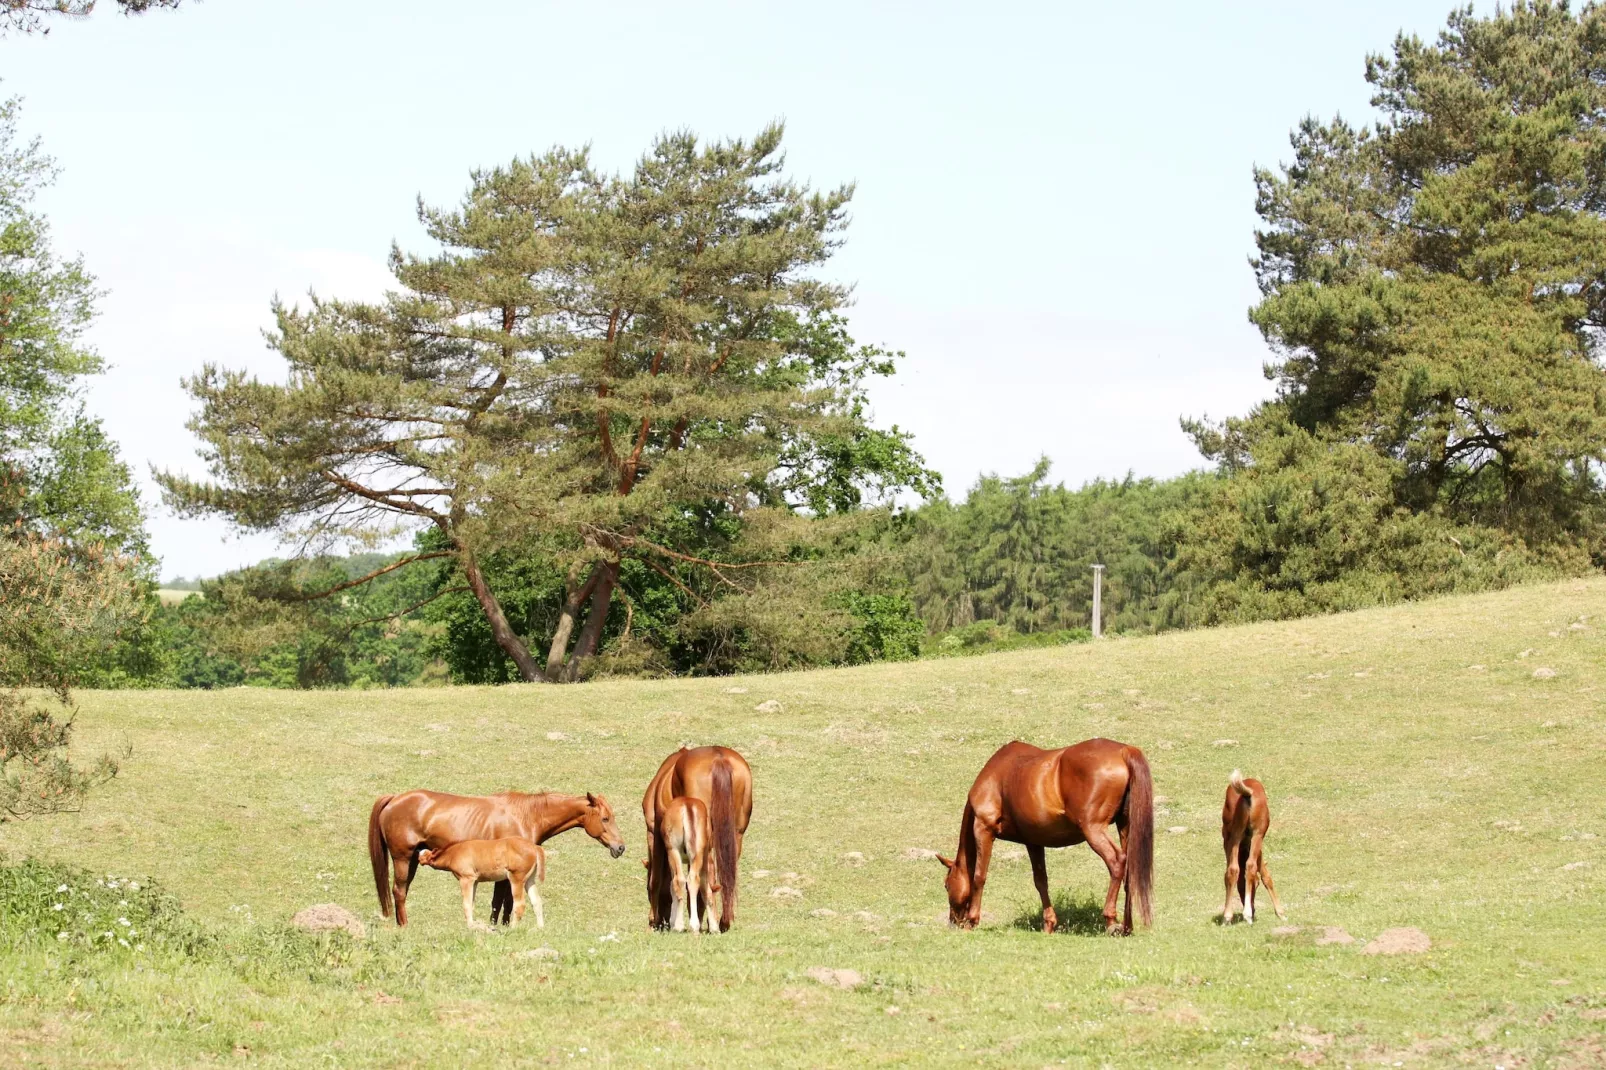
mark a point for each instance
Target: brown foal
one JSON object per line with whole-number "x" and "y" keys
{"x": 688, "y": 841}
{"x": 721, "y": 779}
{"x": 1245, "y": 818}
{"x": 1056, "y": 798}
{"x": 511, "y": 859}
{"x": 399, "y": 826}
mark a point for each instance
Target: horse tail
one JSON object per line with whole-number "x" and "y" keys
{"x": 540, "y": 862}
{"x": 1236, "y": 783}
{"x": 1139, "y": 833}
{"x": 722, "y": 815}
{"x": 378, "y": 855}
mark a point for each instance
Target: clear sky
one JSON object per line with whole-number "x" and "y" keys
{"x": 1053, "y": 215}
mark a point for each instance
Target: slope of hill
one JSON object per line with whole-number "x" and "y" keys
{"x": 1437, "y": 765}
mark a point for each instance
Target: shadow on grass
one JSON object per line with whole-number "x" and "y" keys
{"x": 1079, "y": 915}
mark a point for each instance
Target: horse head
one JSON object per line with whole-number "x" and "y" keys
{"x": 599, "y": 824}
{"x": 958, "y": 884}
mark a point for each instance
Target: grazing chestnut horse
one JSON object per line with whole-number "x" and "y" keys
{"x": 684, "y": 831}
{"x": 722, "y": 780}
{"x": 1056, "y": 798}
{"x": 474, "y": 862}
{"x": 1245, "y": 819}
{"x": 399, "y": 826}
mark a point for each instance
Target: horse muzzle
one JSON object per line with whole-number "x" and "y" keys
{"x": 616, "y": 850}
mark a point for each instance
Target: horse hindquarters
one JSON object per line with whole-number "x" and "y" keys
{"x": 379, "y": 855}
{"x": 722, "y": 816}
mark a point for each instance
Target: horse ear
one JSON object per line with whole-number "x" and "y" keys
{"x": 947, "y": 863}
{"x": 590, "y": 798}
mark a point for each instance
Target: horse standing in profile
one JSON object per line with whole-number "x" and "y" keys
{"x": 399, "y": 826}
{"x": 1056, "y": 798}
{"x": 722, "y": 780}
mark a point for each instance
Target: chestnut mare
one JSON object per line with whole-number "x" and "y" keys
{"x": 1056, "y": 798}
{"x": 722, "y": 780}
{"x": 400, "y": 826}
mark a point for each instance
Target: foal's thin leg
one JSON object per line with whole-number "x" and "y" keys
{"x": 1252, "y": 875}
{"x": 984, "y": 856}
{"x": 1040, "y": 878}
{"x": 691, "y": 896}
{"x": 1230, "y": 846}
{"x": 468, "y": 885}
{"x": 1115, "y": 861}
{"x": 534, "y": 893}
{"x": 677, "y": 888}
{"x": 518, "y": 899}
{"x": 1265, "y": 875}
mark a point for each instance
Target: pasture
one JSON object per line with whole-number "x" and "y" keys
{"x": 1420, "y": 772}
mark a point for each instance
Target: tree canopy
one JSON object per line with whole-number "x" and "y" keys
{"x": 597, "y": 368}
{"x": 1435, "y": 286}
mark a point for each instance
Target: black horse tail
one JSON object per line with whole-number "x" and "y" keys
{"x": 379, "y": 856}
{"x": 722, "y": 815}
{"x": 1139, "y": 835}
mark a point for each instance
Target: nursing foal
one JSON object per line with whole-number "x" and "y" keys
{"x": 476, "y": 862}
{"x": 688, "y": 840}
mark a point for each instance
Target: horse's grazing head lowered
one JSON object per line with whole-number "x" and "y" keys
{"x": 599, "y": 824}
{"x": 958, "y": 884}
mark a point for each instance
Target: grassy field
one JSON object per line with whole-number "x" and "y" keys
{"x": 1422, "y": 773}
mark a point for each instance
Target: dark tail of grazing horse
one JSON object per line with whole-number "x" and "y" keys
{"x": 1139, "y": 834}
{"x": 379, "y": 856}
{"x": 722, "y": 816}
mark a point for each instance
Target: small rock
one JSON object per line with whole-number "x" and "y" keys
{"x": 1020, "y": 691}
{"x": 1286, "y": 930}
{"x": 1223, "y": 742}
{"x": 328, "y": 917}
{"x": 1527, "y": 653}
{"x": 866, "y": 917}
{"x": 783, "y": 892}
{"x": 917, "y": 854}
{"x": 1317, "y": 675}
{"x": 823, "y": 912}
{"x": 1544, "y": 673}
{"x": 1477, "y": 668}
{"x": 736, "y": 691}
{"x": 1404, "y": 941}
{"x": 854, "y": 858}
{"x": 769, "y": 705}
{"x": 426, "y": 754}
{"x": 1333, "y": 934}
{"x": 540, "y": 953}
{"x": 1130, "y": 691}
{"x": 439, "y": 727}
{"x": 557, "y": 737}
{"x": 1575, "y": 865}
{"x": 1576, "y": 627}
{"x": 893, "y": 1010}
{"x": 834, "y": 978}
{"x": 1177, "y": 830}
{"x": 761, "y": 873}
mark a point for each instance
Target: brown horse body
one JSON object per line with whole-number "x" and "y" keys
{"x": 1056, "y": 798}
{"x": 399, "y": 826}
{"x": 1245, "y": 820}
{"x": 474, "y": 862}
{"x": 721, "y": 779}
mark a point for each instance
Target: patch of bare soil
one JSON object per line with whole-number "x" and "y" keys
{"x": 329, "y": 917}
{"x": 1333, "y": 934}
{"x": 825, "y": 975}
{"x": 1402, "y": 941}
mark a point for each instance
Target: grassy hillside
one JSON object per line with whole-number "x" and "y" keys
{"x": 1420, "y": 774}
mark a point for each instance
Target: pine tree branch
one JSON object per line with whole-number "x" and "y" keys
{"x": 374, "y": 575}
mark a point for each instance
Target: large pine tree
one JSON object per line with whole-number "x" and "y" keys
{"x": 607, "y": 366}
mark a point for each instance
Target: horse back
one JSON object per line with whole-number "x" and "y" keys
{"x": 437, "y": 818}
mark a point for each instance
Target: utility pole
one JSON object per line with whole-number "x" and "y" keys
{"x": 1098, "y": 601}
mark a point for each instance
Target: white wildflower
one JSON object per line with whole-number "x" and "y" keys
{"x": 61, "y": 936}
{"x": 124, "y": 922}
{"x": 120, "y": 940}
{"x": 133, "y": 886}
{"x": 60, "y": 888}
{"x": 58, "y": 906}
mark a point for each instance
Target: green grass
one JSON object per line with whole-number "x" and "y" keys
{"x": 1407, "y": 788}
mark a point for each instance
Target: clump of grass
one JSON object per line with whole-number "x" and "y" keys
{"x": 990, "y": 637}
{"x": 65, "y": 905}
{"x": 1076, "y": 914}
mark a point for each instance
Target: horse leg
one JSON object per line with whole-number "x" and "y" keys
{"x": 1115, "y": 861}
{"x": 1229, "y": 844}
{"x": 1252, "y": 876}
{"x": 1040, "y": 878}
{"x": 533, "y": 893}
{"x": 1265, "y": 876}
{"x": 518, "y": 887}
{"x": 403, "y": 866}
{"x": 984, "y": 856}
{"x": 501, "y": 902}
{"x": 468, "y": 885}
{"x": 691, "y": 894}
{"x": 677, "y": 889}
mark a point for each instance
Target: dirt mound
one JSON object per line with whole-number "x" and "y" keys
{"x": 1405, "y": 941}
{"x": 834, "y": 978}
{"x": 328, "y": 917}
{"x": 1333, "y": 934}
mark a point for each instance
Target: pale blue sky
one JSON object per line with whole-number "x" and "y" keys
{"x": 1054, "y": 202}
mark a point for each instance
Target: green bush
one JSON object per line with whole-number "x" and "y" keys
{"x": 53, "y": 903}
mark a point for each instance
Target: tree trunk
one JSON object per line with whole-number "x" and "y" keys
{"x": 571, "y": 609}
{"x": 591, "y": 633}
{"x": 503, "y": 632}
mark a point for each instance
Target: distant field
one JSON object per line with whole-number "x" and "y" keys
{"x": 1420, "y": 774}
{"x": 171, "y": 596}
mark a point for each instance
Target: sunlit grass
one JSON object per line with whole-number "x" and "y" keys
{"x": 1408, "y": 787}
